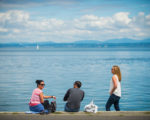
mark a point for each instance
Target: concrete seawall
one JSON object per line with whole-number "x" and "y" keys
{"x": 101, "y": 115}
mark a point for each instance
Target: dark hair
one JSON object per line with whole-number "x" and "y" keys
{"x": 78, "y": 83}
{"x": 38, "y": 82}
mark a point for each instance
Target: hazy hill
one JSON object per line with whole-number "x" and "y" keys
{"x": 84, "y": 43}
{"x": 126, "y": 40}
{"x": 88, "y": 42}
{"x": 123, "y": 40}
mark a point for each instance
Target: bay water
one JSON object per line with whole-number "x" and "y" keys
{"x": 19, "y": 69}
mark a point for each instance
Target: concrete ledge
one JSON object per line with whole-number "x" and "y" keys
{"x": 101, "y": 115}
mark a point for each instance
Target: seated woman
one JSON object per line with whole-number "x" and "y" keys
{"x": 37, "y": 98}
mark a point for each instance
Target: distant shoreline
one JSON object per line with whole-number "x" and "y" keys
{"x": 74, "y": 45}
{"x": 42, "y": 49}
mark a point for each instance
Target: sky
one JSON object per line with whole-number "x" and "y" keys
{"x": 73, "y": 20}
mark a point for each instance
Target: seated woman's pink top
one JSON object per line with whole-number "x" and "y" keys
{"x": 35, "y": 98}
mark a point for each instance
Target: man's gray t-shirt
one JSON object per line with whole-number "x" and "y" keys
{"x": 73, "y": 97}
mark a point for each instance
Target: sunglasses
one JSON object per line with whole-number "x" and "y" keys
{"x": 42, "y": 84}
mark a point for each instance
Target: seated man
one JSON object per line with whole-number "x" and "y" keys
{"x": 73, "y": 97}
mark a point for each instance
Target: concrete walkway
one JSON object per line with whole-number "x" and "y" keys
{"x": 123, "y": 115}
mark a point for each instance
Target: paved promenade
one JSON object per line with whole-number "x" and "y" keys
{"x": 124, "y": 115}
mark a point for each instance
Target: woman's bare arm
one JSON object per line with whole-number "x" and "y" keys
{"x": 114, "y": 84}
{"x": 42, "y": 97}
{"x": 46, "y": 97}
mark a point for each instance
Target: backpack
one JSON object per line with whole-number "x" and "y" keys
{"x": 53, "y": 106}
{"x": 46, "y": 104}
{"x": 50, "y": 107}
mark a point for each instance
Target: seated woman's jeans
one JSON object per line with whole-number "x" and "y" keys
{"x": 70, "y": 110}
{"x": 37, "y": 108}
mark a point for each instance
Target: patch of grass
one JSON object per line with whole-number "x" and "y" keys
{"x": 146, "y": 112}
{"x": 89, "y": 113}
{"x": 15, "y": 113}
{"x": 71, "y": 112}
{"x": 4, "y": 113}
{"x": 98, "y": 113}
{"x": 57, "y": 113}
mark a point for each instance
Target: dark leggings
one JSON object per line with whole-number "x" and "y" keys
{"x": 113, "y": 99}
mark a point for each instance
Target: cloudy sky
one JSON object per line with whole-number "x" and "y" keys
{"x": 73, "y": 20}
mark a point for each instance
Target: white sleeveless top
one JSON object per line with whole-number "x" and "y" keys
{"x": 117, "y": 91}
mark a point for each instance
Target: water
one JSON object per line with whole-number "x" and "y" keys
{"x": 59, "y": 69}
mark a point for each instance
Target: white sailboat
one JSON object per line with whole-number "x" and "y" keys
{"x": 37, "y": 47}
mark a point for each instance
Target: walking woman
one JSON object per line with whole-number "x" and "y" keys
{"x": 115, "y": 89}
{"x": 37, "y": 98}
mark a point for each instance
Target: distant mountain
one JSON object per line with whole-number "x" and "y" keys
{"x": 39, "y": 43}
{"x": 25, "y": 44}
{"x": 126, "y": 40}
{"x": 145, "y": 41}
{"x": 88, "y": 42}
{"x": 123, "y": 40}
{"x": 84, "y": 43}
